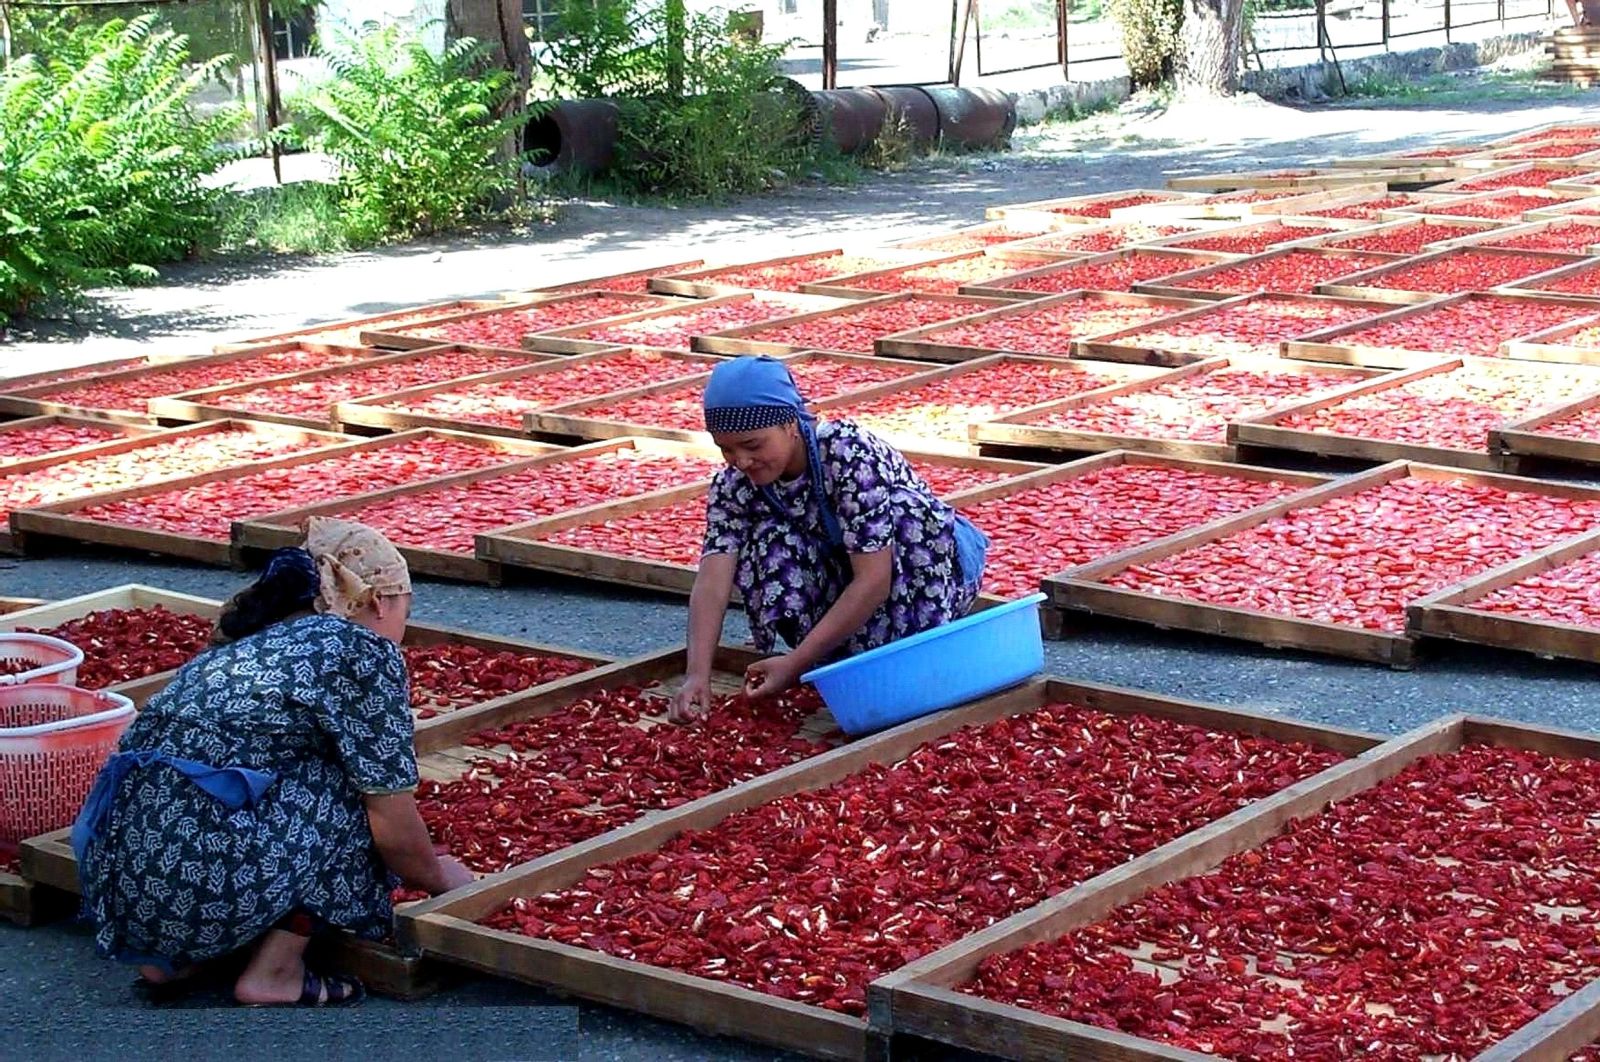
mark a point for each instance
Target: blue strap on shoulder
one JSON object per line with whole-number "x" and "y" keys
{"x": 235, "y": 787}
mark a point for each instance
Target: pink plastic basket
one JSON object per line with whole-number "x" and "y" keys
{"x": 53, "y": 741}
{"x": 30, "y": 658}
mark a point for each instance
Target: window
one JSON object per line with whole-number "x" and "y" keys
{"x": 543, "y": 16}
{"x": 291, "y": 37}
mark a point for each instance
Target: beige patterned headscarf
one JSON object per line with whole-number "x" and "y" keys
{"x": 355, "y": 564}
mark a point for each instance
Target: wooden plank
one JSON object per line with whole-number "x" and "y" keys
{"x": 1273, "y": 180}
{"x": 1267, "y": 431}
{"x": 1373, "y": 284}
{"x": 571, "y": 339}
{"x": 348, "y": 330}
{"x": 1527, "y": 437}
{"x": 1126, "y": 344}
{"x": 702, "y": 282}
{"x": 1004, "y": 287}
{"x": 1448, "y": 228}
{"x": 62, "y": 519}
{"x": 402, "y": 338}
{"x": 80, "y": 373}
{"x": 1180, "y": 285}
{"x": 1535, "y": 284}
{"x": 28, "y": 903}
{"x": 1059, "y": 210}
{"x": 859, "y": 285}
{"x": 747, "y": 339}
{"x": 9, "y": 605}
{"x": 938, "y": 241}
{"x": 33, "y": 401}
{"x": 1024, "y": 428}
{"x": 386, "y": 412}
{"x": 447, "y": 926}
{"x": 633, "y": 280}
{"x": 925, "y": 344}
{"x": 274, "y": 530}
{"x": 211, "y": 403}
{"x": 1083, "y": 588}
{"x": 114, "y": 429}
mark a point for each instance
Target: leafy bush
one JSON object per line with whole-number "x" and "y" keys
{"x": 1151, "y": 36}
{"x": 102, "y": 159}
{"x": 697, "y": 114}
{"x": 419, "y": 140}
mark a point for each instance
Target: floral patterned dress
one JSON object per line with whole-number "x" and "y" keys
{"x": 176, "y": 877}
{"x": 784, "y": 572}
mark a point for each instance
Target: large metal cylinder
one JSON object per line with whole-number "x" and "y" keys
{"x": 574, "y": 136}
{"x": 921, "y": 115}
{"x": 850, "y": 118}
{"x": 974, "y": 117}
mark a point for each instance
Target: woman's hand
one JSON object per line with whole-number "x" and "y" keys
{"x": 692, "y": 701}
{"x": 770, "y": 677}
{"x": 454, "y": 874}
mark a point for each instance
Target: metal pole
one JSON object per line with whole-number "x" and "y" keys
{"x": 1385, "y": 10}
{"x": 269, "y": 61}
{"x": 961, "y": 43}
{"x": 1447, "y": 21}
{"x": 830, "y": 44}
{"x": 1061, "y": 38}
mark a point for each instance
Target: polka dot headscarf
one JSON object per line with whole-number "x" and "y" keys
{"x": 751, "y": 393}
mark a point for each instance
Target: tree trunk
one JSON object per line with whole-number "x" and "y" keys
{"x": 1208, "y": 59}
{"x": 498, "y": 24}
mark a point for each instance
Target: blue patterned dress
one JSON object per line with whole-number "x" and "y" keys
{"x": 782, "y": 571}
{"x": 176, "y": 876}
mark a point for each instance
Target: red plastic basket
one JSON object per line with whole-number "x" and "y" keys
{"x": 53, "y": 741}
{"x": 30, "y": 658}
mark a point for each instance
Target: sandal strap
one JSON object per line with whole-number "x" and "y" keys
{"x": 318, "y": 990}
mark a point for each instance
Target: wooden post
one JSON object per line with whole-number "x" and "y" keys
{"x": 1385, "y": 25}
{"x": 1061, "y": 37}
{"x": 961, "y": 40}
{"x": 830, "y": 44}
{"x": 269, "y": 67}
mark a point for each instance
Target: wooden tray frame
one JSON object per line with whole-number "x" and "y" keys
{"x": 1015, "y": 429}
{"x": 274, "y": 530}
{"x": 1330, "y": 241}
{"x": 1486, "y": 239}
{"x": 29, "y": 380}
{"x": 1449, "y": 613}
{"x": 965, "y": 448}
{"x": 203, "y": 405}
{"x": 743, "y": 340}
{"x": 28, "y": 403}
{"x": 570, "y": 340}
{"x": 1557, "y": 200}
{"x": 60, "y": 519}
{"x": 920, "y": 344}
{"x": 360, "y": 324}
{"x": 841, "y": 287}
{"x": 12, "y": 540}
{"x": 1169, "y": 286}
{"x": 1313, "y": 227}
{"x": 1350, "y": 287}
{"x": 9, "y": 605}
{"x": 399, "y": 340}
{"x": 1111, "y": 345}
{"x": 1082, "y": 589}
{"x": 921, "y": 1000}
{"x": 1300, "y": 208}
{"x": 1522, "y": 438}
{"x": 26, "y": 903}
{"x": 1264, "y": 430}
{"x": 1455, "y": 187}
{"x": 1044, "y": 207}
{"x": 1327, "y": 179}
{"x": 599, "y": 283}
{"x": 569, "y": 421}
{"x": 699, "y": 282}
{"x": 116, "y": 427}
{"x": 1324, "y": 345}
{"x": 1580, "y": 265}
{"x": 1182, "y": 260}
{"x": 446, "y": 927}
{"x": 919, "y": 244}
{"x": 373, "y": 411}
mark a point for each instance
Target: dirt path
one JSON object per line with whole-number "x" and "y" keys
{"x": 1140, "y": 145}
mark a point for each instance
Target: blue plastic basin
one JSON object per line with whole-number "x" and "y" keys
{"x": 939, "y": 668}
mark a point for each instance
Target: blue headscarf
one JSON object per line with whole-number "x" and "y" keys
{"x": 755, "y": 392}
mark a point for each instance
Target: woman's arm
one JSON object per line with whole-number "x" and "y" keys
{"x": 708, "y": 605}
{"x": 402, "y": 840}
{"x": 872, "y": 577}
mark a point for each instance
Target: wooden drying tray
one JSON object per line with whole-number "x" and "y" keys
{"x": 922, "y": 999}
{"x": 1459, "y": 186}
{"x": 11, "y": 534}
{"x": 61, "y": 519}
{"x": 29, "y": 402}
{"x": 963, "y": 447}
{"x": 526, "y": 546}
{"x": 1020, "y": 429}
{"x": 1046, "y": 476}
{"x": 1301, "y": 207}
{"x": 850, "y": 285}
{"x": 51, "y": 377}
{"x": 1312, "y": 227}
{"x": 448, "y": 926}
{"x": 275, "y": 530}
{"x": 1265, "y": 430}
{"x": 1556, "y": 201}
{"x": 924, "y": 344}
{"x": 1048, "y": 208}
{"x": 1084, "y": 589}
{"x": 573, "y": 339}
{"x": 1182, "y": 260}
{"x": 380, "y": 412}
{"x": 1125, "y": 344}
{"x": 747, "y": 339}
{"x": 1585, "y": 265}
{"x": 1450, "y": 613}
{"x": 1325, "y": 179}
{"x": 9, "y": 605}
{"x": 1507, "y": 155}
{"x": 604, "y": 283}
{"x": 1520, "y": 439}
{"x": 1173, "y": 286}
{"x": 115, "y": 427}
{"x": 570, "y": 420}
{"x": 1450, "y": 229}
{"x": 1488, "y": 238}
{"x": 354, "y": 326}
{"x": 702, "y": 283}
{"x": 398, "y": 337}
{"x": 1369, "y": 284}
{"x": 927, "y": 244}
{"x": 208, "y": 404}
{"x": 1328, "y": 344}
